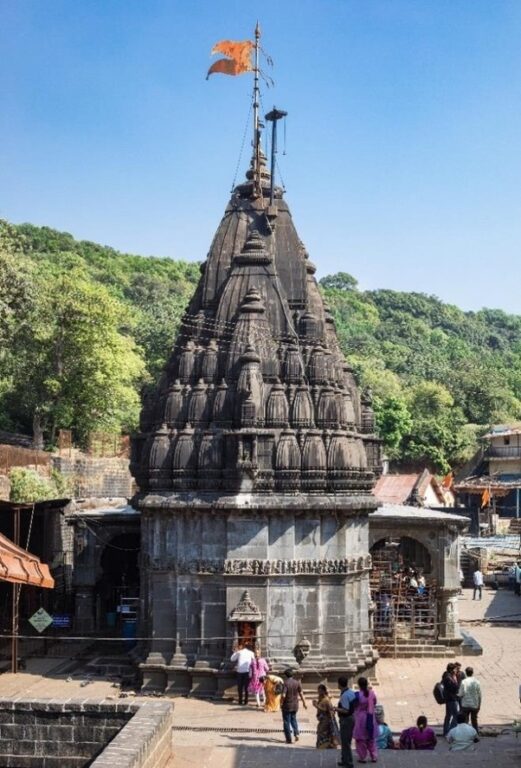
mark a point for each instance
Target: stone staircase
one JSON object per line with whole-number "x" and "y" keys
{"x": 515, "y": 526}
{"x": 407, "y": 648}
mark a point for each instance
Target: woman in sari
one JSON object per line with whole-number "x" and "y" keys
{"x": 364, "y": 732}
{"x": 327, "y": 729}
{"x": 273, "y": 685}
{"x": 258, "y": 670}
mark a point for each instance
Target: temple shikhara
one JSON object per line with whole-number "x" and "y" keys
{"x": 255, "y": 463}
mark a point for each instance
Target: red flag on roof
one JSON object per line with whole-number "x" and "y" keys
{"x": 485, "y": 498}
{"x": 448, "y": 481}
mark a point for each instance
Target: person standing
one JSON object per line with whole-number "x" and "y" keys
{"x": 345, "y": 710}
{"x": 291, "y": 693}
{"x": 327, "y": 729}
{"x": 258, "y": 671}
{"x": 273, "y": 686}
{"x": 470, "y": 698}
{"x": 478, "y": 583}
{"x": 365, "y": 731}
{"x": 450, "y": 689}
{"x": 242, "y": 657}
{"x": 517, "y": 582}
{"x": 459, "y": 673}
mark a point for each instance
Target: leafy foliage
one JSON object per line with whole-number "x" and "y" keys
{"x": 83, "y": 328}
{"x": 439, "y": 375}
{"x": 27, "y": 486}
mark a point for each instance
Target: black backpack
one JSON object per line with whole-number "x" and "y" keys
{"x": 439, "y": 693}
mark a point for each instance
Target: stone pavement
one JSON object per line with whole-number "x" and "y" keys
{"x": 404, "y": 687}
{"x": 223, "y": 735}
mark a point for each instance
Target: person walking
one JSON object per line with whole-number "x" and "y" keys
{"x": 242, "y": 658}
{"x": 470, "y": 698}
{"x": 450, "y": 689}
{"x": 291, "y": 693}
{"x": 259, "y": 668}
{"x": 345, "y": 710}
{"x": 478, "y": 583}
{"x": 365, "y": 731}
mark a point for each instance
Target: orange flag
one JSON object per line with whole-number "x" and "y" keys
{"x": 448, "y": 481}
{"x": 485, "y": 498}
{"x": 238, "y": 61}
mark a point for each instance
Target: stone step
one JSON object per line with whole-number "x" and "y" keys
{"x": 408, "y": 651}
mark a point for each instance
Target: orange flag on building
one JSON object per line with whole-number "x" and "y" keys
{"x": 448, "y": 481}
{"x": 238, "y": 61}
{"x": 485, "y": 498}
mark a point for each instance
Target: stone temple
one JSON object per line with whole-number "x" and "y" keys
{"x": 255, "y": 462}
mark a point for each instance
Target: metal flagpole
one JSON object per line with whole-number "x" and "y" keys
{"x": 256, "y": 99}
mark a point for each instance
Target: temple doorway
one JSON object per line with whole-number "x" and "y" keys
{"x": 403, "y": 592}
{"x": 117, "y": 597}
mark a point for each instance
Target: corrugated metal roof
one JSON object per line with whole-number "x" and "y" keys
{"x": 395, "y": 489}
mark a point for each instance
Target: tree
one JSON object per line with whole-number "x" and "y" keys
{"x": 341, "y": 281}
{"x": 74, "y": 367}
{"x": 436, "y": 423}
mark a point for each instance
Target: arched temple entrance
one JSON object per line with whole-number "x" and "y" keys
{"x": 415, "y": 579}
{"x": 403, "y": 591}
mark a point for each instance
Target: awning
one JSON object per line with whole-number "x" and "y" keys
{"x": 20, "y": 567}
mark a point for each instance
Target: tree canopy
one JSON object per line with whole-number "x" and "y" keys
{"x": 83, "y": 328}
{"x": 440, "y": 376}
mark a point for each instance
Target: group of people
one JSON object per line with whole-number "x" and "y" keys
{"x": 357, "y": 714}
{"x": 462, "y": 694}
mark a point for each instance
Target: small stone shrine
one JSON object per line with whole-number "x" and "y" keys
{"x": 255, "y": 463}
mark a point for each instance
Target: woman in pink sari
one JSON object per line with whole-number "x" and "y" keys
{"x": 258, "y": 670}
{"x": 365, "y": 730}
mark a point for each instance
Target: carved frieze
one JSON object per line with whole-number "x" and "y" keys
{"x": 255, "y": 567}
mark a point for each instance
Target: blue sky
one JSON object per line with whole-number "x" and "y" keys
{"x": 403, "y": 161}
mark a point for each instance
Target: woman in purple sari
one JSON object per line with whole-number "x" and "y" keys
{"x": 365, "y": 730}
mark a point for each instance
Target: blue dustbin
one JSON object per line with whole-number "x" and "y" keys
{"x": 129, "y": 632}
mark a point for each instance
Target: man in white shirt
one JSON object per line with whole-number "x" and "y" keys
{"x": 470, "y": 697}
{"x": 462, "y": 736}
{"x": 478, "y": 583}
{"x": 243, "y": 658}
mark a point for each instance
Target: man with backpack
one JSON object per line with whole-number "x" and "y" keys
{"x": 450, "y": 684}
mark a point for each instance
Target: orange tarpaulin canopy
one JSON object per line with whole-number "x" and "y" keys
{"x": 20, "y": 567}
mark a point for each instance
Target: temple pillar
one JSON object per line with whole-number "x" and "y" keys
{"x": 449, "y": 629}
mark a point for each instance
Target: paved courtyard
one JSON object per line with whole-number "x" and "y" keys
{"x": 223, "y": 735}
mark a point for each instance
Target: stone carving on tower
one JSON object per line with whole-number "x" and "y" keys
{"x": 256, "y": 446}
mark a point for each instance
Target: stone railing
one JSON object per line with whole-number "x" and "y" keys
{"x": 48, "y": 733}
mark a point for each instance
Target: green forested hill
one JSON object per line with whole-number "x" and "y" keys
{"x": 83, "y": 328}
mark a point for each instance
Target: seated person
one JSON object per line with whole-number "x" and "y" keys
{"x": 384, "y": 736}
{"x": 462, "y": 736}
{"x": 419, "y": 736}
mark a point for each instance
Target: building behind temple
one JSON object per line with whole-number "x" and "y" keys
{"x": 255, "y": 462}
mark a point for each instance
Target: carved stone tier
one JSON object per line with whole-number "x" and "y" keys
{"x": 255, "y": 461}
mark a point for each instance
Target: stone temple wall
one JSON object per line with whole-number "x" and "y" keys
{"x": 96, "y": 477}
{"x": 49, "y": 733}
{"x": 307, "y": 573}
